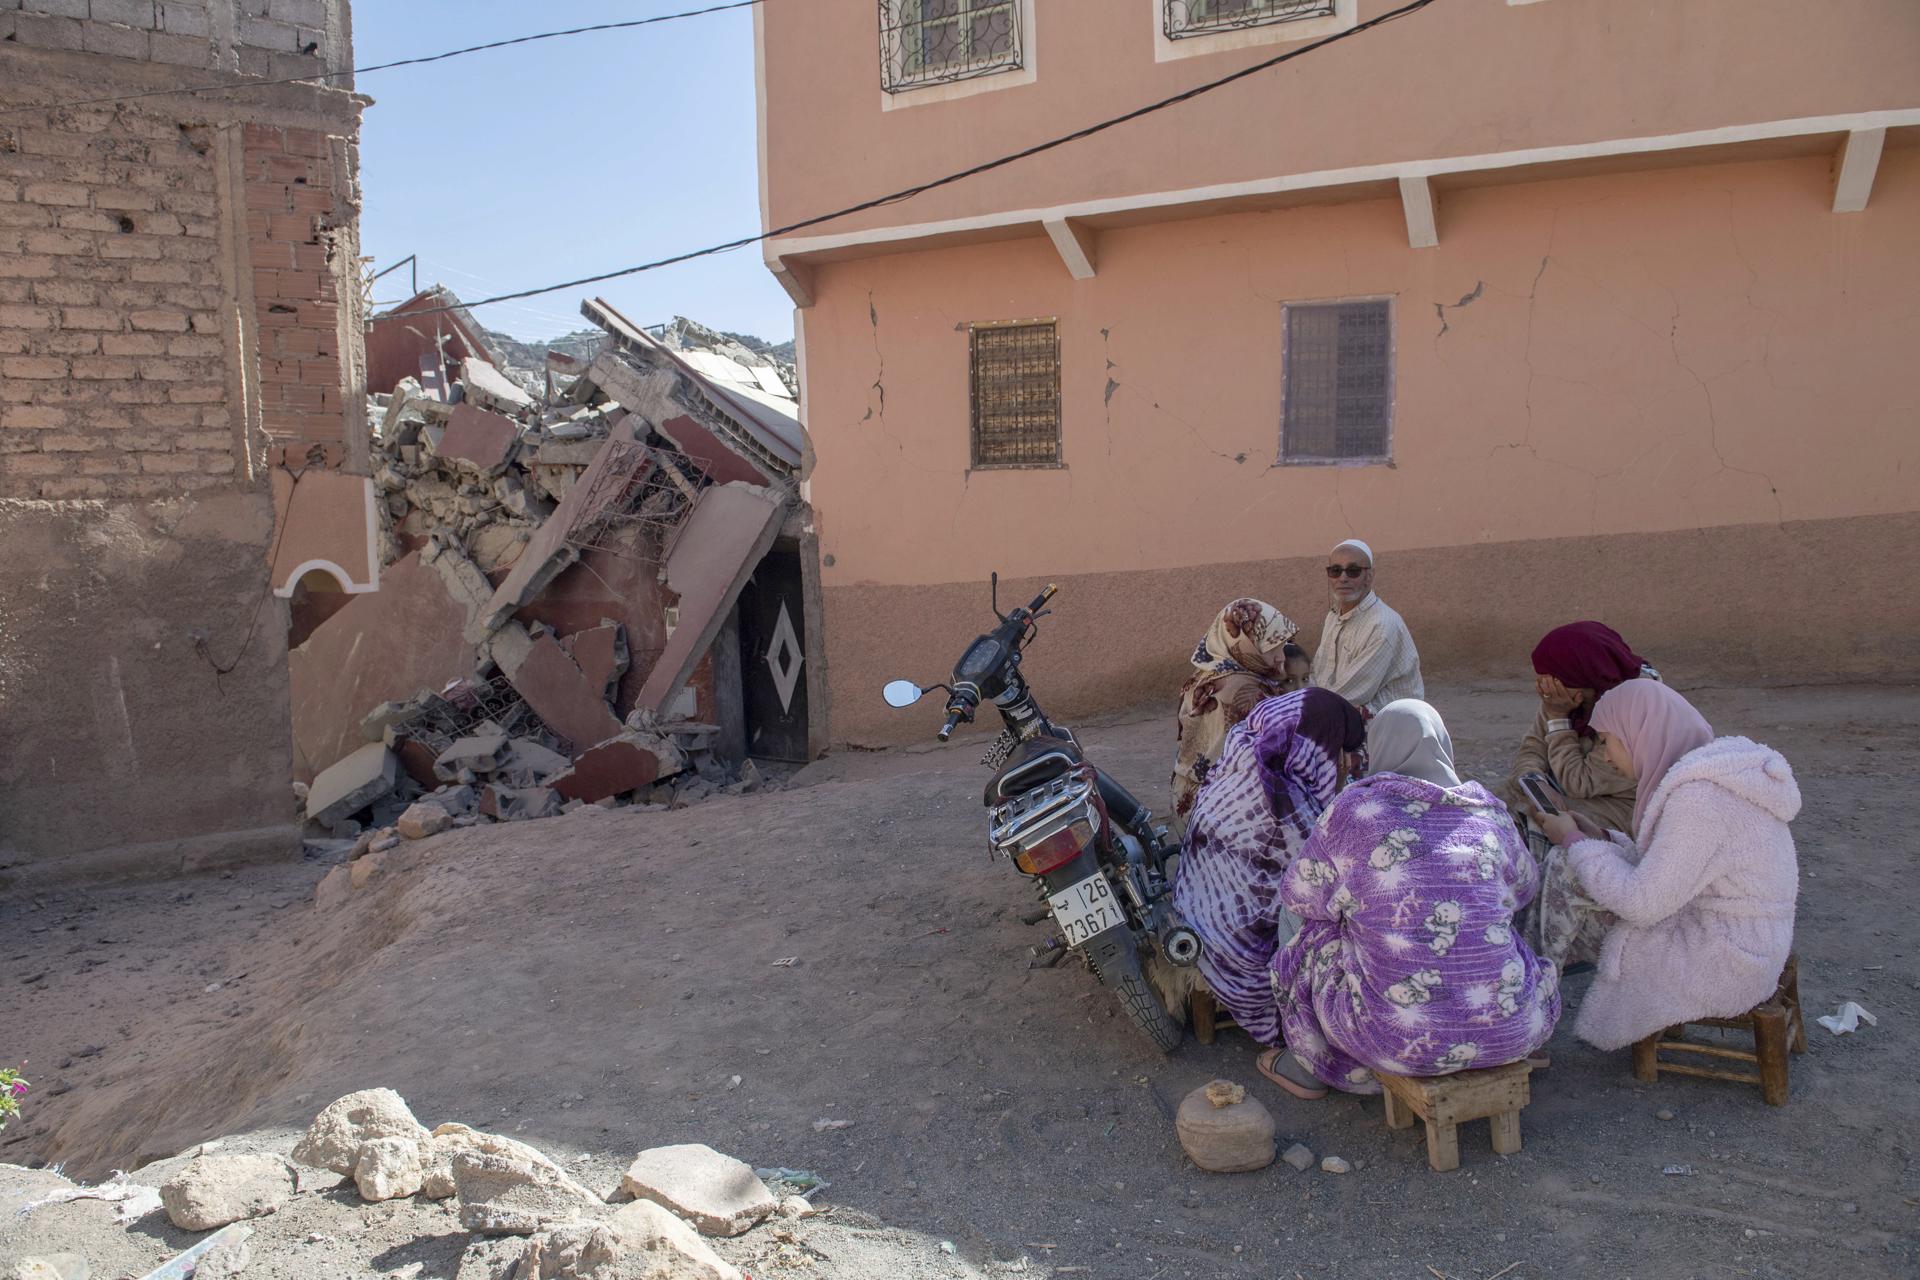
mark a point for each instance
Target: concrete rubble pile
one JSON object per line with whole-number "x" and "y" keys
{"x": 523, "y": 1214}
{"x": 559, "y": 550}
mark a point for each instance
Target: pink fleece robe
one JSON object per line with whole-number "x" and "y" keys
{"x": 1705, "y": 900}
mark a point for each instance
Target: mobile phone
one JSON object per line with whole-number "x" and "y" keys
{"x": 1541, "y": 791}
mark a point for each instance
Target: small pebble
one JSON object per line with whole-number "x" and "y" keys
{"x": 1334, "y": 1164}
{"x": 946, "y": 1246}
{"x": 1849, "y": 1207}
{"x": 1663, "y": 1114}
{"x": 1298, "y": 1156}
{"x": 1237, "y": 1248}
{"x": 1593, "y": 1177}
{"x": 1748, "y": 1233}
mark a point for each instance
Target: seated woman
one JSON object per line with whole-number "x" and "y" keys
{"x": 1278, "y": 770}
{"x": 1573, "y": 666}
{"x": 1407, "y": 960}
{"x": 1245, "y": 657}
{"x": 1703, "y": 889}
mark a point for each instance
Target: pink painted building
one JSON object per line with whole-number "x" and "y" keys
{"x": 1572, "y": 309}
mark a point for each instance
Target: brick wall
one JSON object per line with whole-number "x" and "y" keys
{"x": 296, "y": 242}
{"x": 251, "y": 37}
{"x": 113, "y": 366}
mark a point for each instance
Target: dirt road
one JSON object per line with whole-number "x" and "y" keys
{"x": 595, "y": 983}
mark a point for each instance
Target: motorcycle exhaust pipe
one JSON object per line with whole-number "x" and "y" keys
{"x": 1181, "y": 945}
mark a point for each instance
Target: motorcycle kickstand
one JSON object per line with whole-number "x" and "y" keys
{"x": 1035, "y": 917}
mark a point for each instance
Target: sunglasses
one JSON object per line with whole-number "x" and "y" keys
{"x": 1351, "y": 570}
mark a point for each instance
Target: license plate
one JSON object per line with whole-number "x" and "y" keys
{"x": 1086, "y": 909}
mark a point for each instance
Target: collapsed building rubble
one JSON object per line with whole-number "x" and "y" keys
{"x": 561, "y": 551}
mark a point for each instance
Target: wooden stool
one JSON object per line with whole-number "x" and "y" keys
{"x": 1208, "y": 1017}
{"x": 1777, "y": 1028}
{"x": 1495, "y": 1094}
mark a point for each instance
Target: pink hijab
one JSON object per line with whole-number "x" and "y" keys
{"x": 1657, "y": 725}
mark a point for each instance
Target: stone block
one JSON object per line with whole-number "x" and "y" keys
{"x": 350, "y": 785}
{"x": 719, "y": 1195}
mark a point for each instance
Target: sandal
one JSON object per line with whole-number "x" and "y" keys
{"x": 1285, "y": 1070}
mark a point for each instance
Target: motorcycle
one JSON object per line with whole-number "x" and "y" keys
{"x": 1089, "y": 848}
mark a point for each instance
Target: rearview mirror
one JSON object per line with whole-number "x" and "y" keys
{"x": 902, "y": 693}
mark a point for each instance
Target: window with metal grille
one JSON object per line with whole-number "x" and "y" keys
{"x": 1337, "y": 381}
{"x": 1203, "y": 17}
{"x": 925, "y": 42}
{"x": 1015, "y": 394}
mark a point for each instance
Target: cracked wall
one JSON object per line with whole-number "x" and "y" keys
{"x": 1698, "y": 358}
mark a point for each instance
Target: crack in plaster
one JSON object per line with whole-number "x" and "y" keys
{"x": 1440, "y": 309}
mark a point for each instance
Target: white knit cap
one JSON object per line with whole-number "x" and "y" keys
{"x": 1357, "y": 545}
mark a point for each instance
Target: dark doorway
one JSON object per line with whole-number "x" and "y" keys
{"x": 773, "y": 654}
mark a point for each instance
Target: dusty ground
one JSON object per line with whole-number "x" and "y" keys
{"x": 592, "y": 983}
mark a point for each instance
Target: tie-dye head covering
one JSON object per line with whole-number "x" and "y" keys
{"x": 1408, "y": 737}
{"x": 1298, "y": 741}
{"x": 1657, "y": 726}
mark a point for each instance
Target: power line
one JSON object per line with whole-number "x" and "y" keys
{"x": 907, "y": 193}
{"x": 388, "y": 66}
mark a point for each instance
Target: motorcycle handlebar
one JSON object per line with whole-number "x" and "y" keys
{"x": 954, "y": 716}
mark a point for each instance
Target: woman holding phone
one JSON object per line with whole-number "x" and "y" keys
{"x": 1574, "y": 666}
{"x": 1701, "y": 891}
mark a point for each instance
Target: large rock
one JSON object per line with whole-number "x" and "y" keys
{"x": 334, "y": 1139}
{"x": 423, "y": 818}
{"x": 718, "y": 1194}
{"x": 506, "y": 1195}
{"x": 1222, "y": 1135}
{"x": 218, "y": 1189}
{"x": 437, "y": 1182}
{"x": 390, "y": 1168}
{"x": 670, "y": 1247}
{"x": 641, "y": 1242}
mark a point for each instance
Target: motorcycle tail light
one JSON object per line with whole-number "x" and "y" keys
{"x": 1056, "y": 850}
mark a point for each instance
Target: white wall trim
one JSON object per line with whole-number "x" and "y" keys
{"x": 1855, "y": 167}
{"x": 1078, "y": 246}
{"x": 1416, "y": 201}
{"x": 332, "y": 570}
{"x": 1037, "y": 217}
{"x": 760, "y": 106}
{"x": 1345, "y": 14}
{"x": 1026, "y": 73}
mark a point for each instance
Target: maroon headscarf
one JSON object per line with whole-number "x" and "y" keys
{"x": 1586, "y": 655}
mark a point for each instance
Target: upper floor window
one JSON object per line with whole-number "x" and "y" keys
{"x": 1336, "y": 381}
{"x": 1015, "y": 377}
{"x": 1186, "y": 18}
{"x": 925, "y": 42}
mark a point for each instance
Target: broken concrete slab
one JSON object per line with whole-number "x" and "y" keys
{"x": 483, "y": 441}
{"x": 384, "y": 645}
{"x": 714, "y": 552}
{"x": 479, "y": 753}
{"x": 615, "y": 767}
{"x": 512, "y": 804}
{"x": 529, "y": 763}
{"x": 719, "y": 1195}
{"x": 350, "y": 785}
{"x": 570, "y": 704}
{"x": 600, "y": 652}
{"x": 491, "y": 389}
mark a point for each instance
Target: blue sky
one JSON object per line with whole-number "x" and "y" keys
{"x": 519, "y": 167}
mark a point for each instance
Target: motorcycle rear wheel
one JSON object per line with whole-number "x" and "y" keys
{"x": 1123, "y": 974}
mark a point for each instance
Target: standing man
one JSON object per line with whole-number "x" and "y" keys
{"x": 1366, "y": 654}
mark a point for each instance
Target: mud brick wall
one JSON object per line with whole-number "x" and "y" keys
{"x": 171, "y": 329}
{"x": 113, "y": 365}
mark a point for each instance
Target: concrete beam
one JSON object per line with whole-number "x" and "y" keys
{"x": 1854, "y": 167}
{"x": 1077, "y": 244}
{"x": 1416, "y": 200}
{"x": 796, "y": 278}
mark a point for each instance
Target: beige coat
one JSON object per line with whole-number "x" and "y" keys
{"x": 1594, "y": 788}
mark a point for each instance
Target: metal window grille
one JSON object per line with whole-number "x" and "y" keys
{"x": 925, "y": 42}
{"x": 1337, "y": 375}
{"x": 1016, "y": 394}
{"x": 1203, "y": 17}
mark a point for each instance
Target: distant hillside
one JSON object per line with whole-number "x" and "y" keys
{"x": 685, "y": 334}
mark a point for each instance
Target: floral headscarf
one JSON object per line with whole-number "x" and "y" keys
{"x": 1246, "y": 643}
